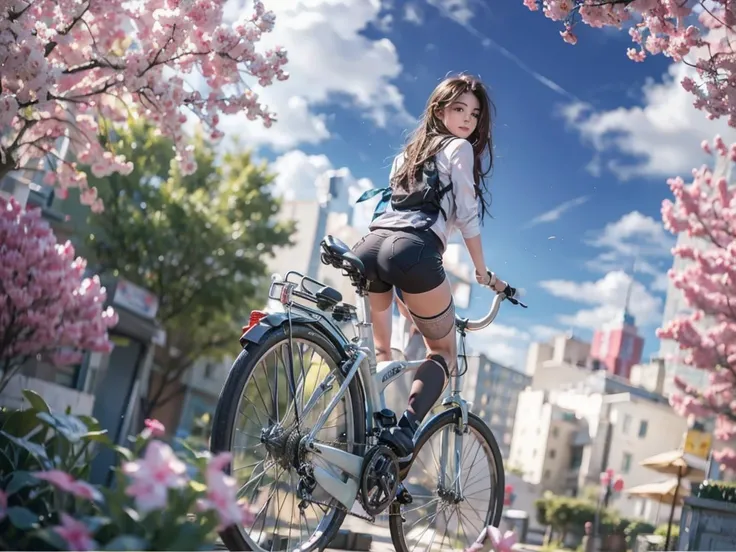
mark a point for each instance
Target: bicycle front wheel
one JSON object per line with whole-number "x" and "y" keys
{"x": 457, "y": 486}
{"x": 261, "y": 421}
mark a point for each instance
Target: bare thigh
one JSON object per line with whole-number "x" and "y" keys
{"x": 431, "y": 303}
{"x": 381, "y": 317}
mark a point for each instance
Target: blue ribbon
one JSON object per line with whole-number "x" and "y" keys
{"x": 382, "y": 203}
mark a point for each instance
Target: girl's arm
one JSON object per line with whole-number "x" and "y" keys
{"x": 466, "y": 203}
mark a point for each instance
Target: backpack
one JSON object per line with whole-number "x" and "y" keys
{"x": 423, "y": 196}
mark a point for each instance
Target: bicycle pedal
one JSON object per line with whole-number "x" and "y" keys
{"x": 403, "y": 496}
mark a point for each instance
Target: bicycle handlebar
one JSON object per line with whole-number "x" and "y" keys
{"x": 479, "y": 324}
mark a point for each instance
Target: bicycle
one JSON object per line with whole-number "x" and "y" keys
{"x": 346, "y": 464}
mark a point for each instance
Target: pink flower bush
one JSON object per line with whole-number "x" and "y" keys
{"x": 66, "y": 65}
{"x": 75, "y": 533}
{"x": 152, "y": 476}
{"x": 49, "y": 309}
{"x": 65, "y": 482}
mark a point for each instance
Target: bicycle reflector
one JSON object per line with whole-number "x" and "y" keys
{"x": 255, "y": 317}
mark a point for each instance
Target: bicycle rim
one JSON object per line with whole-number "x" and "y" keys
{"x": 438, "y": 519}
{"x": 265, "y": 473}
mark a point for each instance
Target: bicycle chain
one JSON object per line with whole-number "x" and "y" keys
{"x": 338, "y": 506}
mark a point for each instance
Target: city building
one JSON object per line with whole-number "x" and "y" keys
{"x": 494, "y": 390}
{"x": 562, "y": 360}
{"x": 618, "y": 345}
{"x": 564, "y": 439}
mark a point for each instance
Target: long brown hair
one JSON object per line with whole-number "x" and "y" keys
{"x": 427, "y": 139}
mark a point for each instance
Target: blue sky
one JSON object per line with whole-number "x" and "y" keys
{"x": 577, "y": 126}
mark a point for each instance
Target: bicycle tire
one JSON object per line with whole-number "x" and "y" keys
{"x": 451, "y": 417}
{"x": 226, "y": 413}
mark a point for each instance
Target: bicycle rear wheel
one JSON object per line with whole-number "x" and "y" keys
{"x": 255, "y": 421}
{"x": 438, "y": 519}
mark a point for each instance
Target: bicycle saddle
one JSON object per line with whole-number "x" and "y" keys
{"x": 338, "y": 249}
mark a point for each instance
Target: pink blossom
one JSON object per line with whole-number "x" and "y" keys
{"x": 705, "y": 209}
{"x": 669, "y": 28}
{"x": 54, "y": 86}
{"x": 491, "y": 539}
{"x": 67, "y": 483}
{"x": 49, "y": 307}
{"x": 75, "y": 533}
{"x": 152, "y": 476}
{"x": 154, "y": 428}
{"x": 222, "y": 494}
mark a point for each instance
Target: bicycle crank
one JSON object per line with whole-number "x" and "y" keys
{"x": 379, "y": 481}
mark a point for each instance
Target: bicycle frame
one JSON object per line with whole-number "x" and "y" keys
{"x": 375, "y": 378}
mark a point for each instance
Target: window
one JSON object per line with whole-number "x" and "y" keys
{"x": 209, "y": 370}
{"x": 625, "y": 462}
{"x": 626, "y": 425}
{"x": 552, "y": 453}
{"x": 555, "y": 431}
{"x": 547, "y": 474}
{"x": 643, "y": 426}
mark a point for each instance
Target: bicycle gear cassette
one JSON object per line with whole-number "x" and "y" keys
{"x": 379, "y": 480}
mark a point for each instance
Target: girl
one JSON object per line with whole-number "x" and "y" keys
{"x": 437, "y": 185}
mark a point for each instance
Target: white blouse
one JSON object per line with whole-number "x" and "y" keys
{"x": 454, "y": 164}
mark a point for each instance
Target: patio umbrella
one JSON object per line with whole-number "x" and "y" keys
{"x": 662, "y": 492}
{"x": 682, "y": 465}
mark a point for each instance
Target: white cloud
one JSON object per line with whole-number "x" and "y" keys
{"x": 543, "y": 333}
{"x": 556, "y": 212}
{"x": 506, "y": 345}
{"x": 460, "y": 11}
{"x": 413, "y": 13}
{"x": 634, "y": 241}
{"x": 304, "y": 177}
{"x": 607, "y": 298}
{"x": 660, "y": 138}
{"x": 329, "y": 59}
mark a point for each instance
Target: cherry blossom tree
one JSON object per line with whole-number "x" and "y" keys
{"x": 47, "y": 309}
{"x": 73, "y": 68}
{"x": 705, "y": 210}
{"x": 699, "y": 33}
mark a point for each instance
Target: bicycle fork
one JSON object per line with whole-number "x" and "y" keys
{"x": 453, "y": 487}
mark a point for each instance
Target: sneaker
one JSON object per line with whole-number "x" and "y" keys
{"x": 401, "y": 439}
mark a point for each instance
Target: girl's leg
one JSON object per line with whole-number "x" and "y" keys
{"x": 434, "y": 315}
{"x": 381, "y": 316}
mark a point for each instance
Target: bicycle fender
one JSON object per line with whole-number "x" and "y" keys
{"x": 275, "y": 320}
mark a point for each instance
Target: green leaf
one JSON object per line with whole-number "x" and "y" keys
{"x": 71, "y": 427}
{"x": 20, "y": 480}
{"x": 6, "y": 464}
{"x": 124, "y": 452}
{"x": 34, "y": 448}
{"x": 127, "y": 542}
{"x": 185, "y": 537}
{"x": 22, "y": 518}
{"x": 36, "y": 401}
{"x": 51, "y": 537}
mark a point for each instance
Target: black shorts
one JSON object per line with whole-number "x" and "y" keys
{"x": 411, "y": 260}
